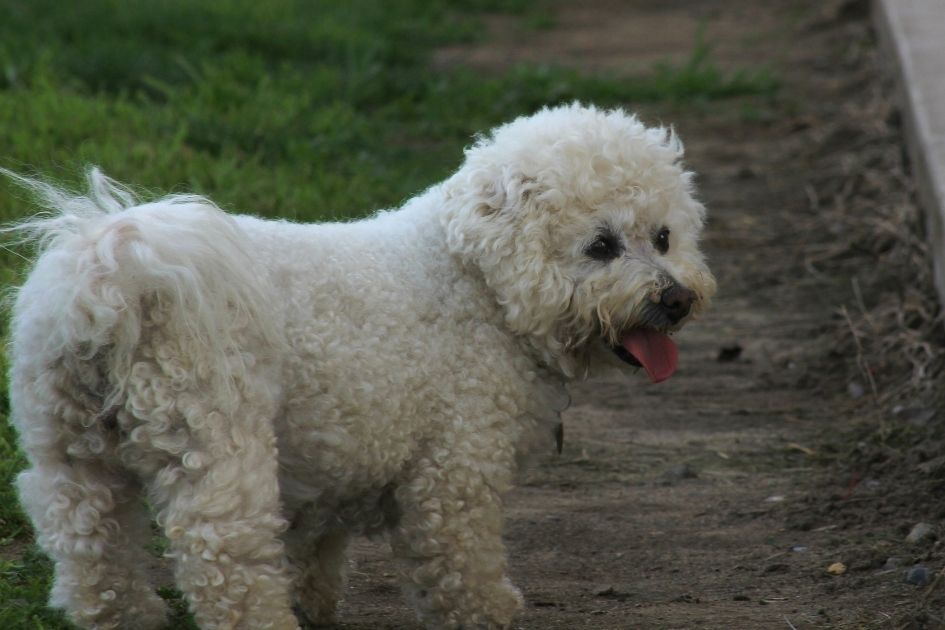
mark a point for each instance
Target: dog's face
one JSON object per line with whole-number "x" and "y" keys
{"x": 584, "y": 224}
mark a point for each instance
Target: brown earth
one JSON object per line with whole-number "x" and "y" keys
{"x": 720, "y": 498}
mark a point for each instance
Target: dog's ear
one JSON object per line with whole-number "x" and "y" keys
{"x": 507, "y": 194}
{"x": 501, "y": 223}
{"x": 484, "y": 206}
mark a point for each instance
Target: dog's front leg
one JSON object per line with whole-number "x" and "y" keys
{"x": 450, "y": 543}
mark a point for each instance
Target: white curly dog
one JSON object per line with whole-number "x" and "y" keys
{"x": 273, "y": 388}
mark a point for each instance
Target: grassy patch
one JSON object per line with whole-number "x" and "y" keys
{"x": 304, "y": 110}
{"x": 24, "y": 586}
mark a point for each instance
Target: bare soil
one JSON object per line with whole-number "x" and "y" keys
{"x": 720, "y": 498}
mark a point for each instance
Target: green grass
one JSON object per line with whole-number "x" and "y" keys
{"x": 306, "y": 110}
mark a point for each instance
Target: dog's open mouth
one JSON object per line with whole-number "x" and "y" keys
{"x": 650, "y": 349}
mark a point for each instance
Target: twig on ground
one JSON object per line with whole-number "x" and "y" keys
{"x": 860, "y": 358}
{"x": 858, "y": 295}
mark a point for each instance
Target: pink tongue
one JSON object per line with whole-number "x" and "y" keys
{"x": 654, "y": 350}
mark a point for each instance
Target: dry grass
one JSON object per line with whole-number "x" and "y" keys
{"x": 865, "y": 220}
{"x": 863, "y": 195}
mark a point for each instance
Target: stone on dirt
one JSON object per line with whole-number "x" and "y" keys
{"x": 918, "y": 575}
{"x": 920, "y": 532}
{"x": 855, "y": 390}
{"x": 681, "y": 471}
{"x": 892, "y": 562}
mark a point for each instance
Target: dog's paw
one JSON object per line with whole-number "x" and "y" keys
{"x": 311, "y": 617}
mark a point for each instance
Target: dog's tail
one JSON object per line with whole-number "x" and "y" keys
{"x": 107, "y": 267}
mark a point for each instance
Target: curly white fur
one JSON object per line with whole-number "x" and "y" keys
{"x": 274, "y": 388}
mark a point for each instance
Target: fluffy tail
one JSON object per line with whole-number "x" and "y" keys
{"x": 107, "y": 265}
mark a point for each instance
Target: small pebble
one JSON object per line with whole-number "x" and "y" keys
{"x": 775, "y": 498}
{"x": 681, "y": 471}
{"x": 892, "y": 562}
{"x": 729, "y": 353}
{"x": 798, "y": 548}
{"x": 920, "y": 532}
{"x": 855, "y": 390}
{"x": 837, "y": 568}
{"x": 918, "y": 575}
{"x": 611, "y": 591}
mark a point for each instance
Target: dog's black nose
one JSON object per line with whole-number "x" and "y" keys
{"x": 676, "y": 302}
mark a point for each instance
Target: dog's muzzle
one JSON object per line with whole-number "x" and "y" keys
{"x": 647, "y": 344}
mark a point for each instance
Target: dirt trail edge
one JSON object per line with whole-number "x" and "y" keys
{"x": 701, "y": 502}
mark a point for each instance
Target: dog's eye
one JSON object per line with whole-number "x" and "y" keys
{"x": 604, "y": 247}
{"x": 661, "y": 240}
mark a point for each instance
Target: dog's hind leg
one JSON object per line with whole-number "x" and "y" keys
{"x": 87, "y": 510}
{"x": 216, "y": 490}
{"x": 320, "y": 562}
{"x": 165, "y": 307}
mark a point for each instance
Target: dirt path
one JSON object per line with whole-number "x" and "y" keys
{"x": 699, "y": 503}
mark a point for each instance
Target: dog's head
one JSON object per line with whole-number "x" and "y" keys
{"x": 584, "y": 224}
